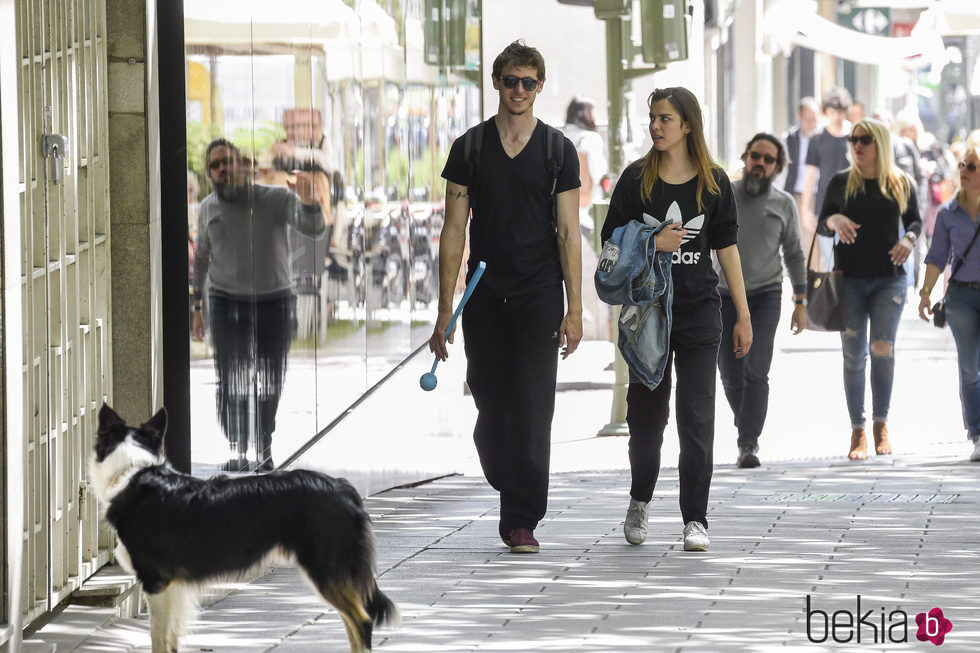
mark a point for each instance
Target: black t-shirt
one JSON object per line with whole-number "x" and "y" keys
{"x": 867, "y": 256}
{"x": 696, "y": 315}
{"x": 829, "y": 154}
{"x": 512, "y": 226}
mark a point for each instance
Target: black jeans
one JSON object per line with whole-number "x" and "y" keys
{"x": 746, "y": 379}
{"x": 251, "y": 344}
{"x": 512, "y": 366}
{"x": 647, "y": 412}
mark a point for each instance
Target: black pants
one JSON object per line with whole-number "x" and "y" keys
{"x": 251, "y": 341}
{"x": 647, "y": 412}
{"x": 746, "y": 379}
{"x": 512, "y": 365}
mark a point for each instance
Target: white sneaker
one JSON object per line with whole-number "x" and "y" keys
{"x": 635, "y": 527}
{"x": 695, "y": 537}
{"x": 975, "y": 456}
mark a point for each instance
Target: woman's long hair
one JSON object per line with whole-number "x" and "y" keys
{"x": 686, "y": 104}
{"x": 893, "y": 182}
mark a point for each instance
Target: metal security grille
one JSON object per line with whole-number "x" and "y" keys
{"x": 65, "y": 280}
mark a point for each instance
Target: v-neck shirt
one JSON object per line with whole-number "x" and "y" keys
{"x": 512, "y": 226}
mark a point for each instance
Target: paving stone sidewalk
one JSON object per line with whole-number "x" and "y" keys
{"x": 900, "y": 533}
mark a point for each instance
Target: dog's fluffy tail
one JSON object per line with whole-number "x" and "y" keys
{"x": 382, "y": 609}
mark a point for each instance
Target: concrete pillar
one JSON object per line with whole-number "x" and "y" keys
{"x": 782, "y": 118}
{"x": 826, "y": 65}
{"x": 753, "y": 91}
{"x": 134, "y": 196}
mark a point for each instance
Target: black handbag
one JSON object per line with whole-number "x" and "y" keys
{"x": 939, "y": 309}
{"x": 824, "y": 296}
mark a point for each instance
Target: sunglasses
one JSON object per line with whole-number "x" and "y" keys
{"x": 972, "y": 167}
{"x": 768, "y": 158}
{"x": 865, "y": 140}
{"x": 510, "y": 81}
{"x": 217, "y": 163}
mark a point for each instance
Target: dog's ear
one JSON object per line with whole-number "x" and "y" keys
{"x": 156, "y": 427}
{"x": 158, "y": 422}
{"x": 109, "y": 419}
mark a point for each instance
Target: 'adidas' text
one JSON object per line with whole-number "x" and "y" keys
{"x": 685, "y": 258}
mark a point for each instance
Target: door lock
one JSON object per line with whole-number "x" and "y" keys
{"x": 55, "y": 148}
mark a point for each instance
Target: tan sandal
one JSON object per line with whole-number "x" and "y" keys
{"x": 859, "y": 445}
{"x": 882, "y": 445}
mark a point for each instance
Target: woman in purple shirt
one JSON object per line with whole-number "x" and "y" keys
{"x": 956, "y": 226}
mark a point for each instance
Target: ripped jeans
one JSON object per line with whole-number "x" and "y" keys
{"x": 878, "y": 301}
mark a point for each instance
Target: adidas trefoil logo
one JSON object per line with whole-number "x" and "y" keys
{"x": 692, "y": 226}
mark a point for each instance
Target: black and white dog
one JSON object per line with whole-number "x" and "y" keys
{"x": 177, "y": 532}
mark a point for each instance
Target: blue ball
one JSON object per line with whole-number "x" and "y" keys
{"x": 428, "y": 381}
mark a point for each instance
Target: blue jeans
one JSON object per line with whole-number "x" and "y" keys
{"x": 880, "y": 301}
{"x": 746, "y": 380}
{"x": 963, "y": 315}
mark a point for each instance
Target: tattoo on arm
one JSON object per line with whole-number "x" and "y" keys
{"x": 458, "y": 195}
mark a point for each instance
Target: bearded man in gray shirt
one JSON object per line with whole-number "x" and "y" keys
{"x": 767, "y": 221}
{"x": 242, "y": 255}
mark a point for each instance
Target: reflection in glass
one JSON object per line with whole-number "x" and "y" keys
{"x": 339, "y": 90}
{"x": 242, "y": 259}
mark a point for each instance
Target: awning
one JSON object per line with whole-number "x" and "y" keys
{"x": 950, "y": 18}
{"x": 240, "y": 22}
{"x": 795, "y": 23}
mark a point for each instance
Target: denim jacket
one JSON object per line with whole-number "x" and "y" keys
{"x": 633, "y": 273}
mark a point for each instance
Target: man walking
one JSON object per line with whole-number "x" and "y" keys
{"x": 797, "y": 141}
{"x": 767, "y": 221}
{"x": 827, "y": 155}
{"x": 525, "y": 226}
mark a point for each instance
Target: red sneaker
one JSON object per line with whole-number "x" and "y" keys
{"x": 522, "y": 541}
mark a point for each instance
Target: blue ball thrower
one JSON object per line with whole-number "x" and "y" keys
{"x": 428, "y": 380}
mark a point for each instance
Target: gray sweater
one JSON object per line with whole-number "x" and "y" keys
{"x": 242, "y": 247}
{"x": 765, "y": 224}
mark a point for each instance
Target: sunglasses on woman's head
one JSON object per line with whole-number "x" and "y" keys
{"x": 510, "y": 81}
{"x": 865, "y": 139}
{"x": 972, "y": 167}
{"x": 768, "y": 158}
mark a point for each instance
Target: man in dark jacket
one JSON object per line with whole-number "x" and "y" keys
{"x": 797, "y": 141}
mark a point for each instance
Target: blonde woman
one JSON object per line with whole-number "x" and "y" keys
{"x": 677, "y": 182}
{"x": 866, "y": 206}
{"x": 953, "y": 242}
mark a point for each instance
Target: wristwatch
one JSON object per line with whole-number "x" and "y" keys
{"x": 912, "y": 237}
{"x": 798, "y": 302}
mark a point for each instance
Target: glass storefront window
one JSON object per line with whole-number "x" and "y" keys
{"x": 303, "y": 309}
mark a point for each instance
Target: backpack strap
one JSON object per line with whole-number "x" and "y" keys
{"x": 556, "y": 159}
{"x": 472, "y": 143}
{"x": 555, "y": 155}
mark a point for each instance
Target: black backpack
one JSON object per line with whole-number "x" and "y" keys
{"x": 555, "y": 155}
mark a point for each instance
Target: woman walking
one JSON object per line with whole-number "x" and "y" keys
{"x": 954, "y": 242}
{"x": 865, "y": 206}
{"x": 677, "y": 182}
